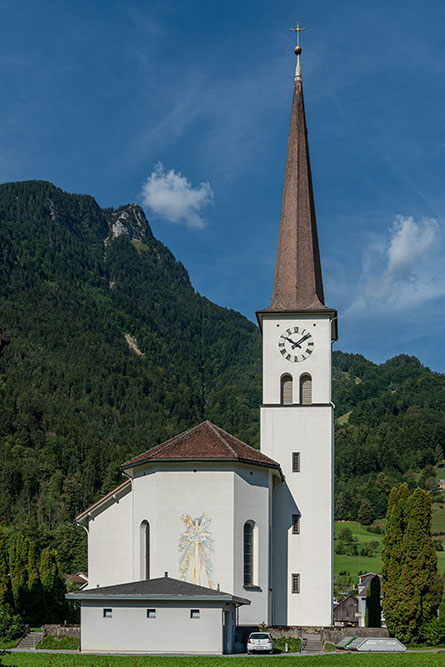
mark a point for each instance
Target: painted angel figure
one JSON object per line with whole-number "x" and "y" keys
{"x": 197, "y": 546}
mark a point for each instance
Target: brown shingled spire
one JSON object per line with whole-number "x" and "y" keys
{"x": 298, "y": 283}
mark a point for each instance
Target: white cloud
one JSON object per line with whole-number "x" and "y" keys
{"x": 403, "y": 270}
{"x": 171, "y": 196}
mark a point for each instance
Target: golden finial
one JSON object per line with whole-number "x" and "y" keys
{"x": 297, "y": 49}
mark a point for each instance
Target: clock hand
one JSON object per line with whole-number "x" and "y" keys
{"x": 294, "y": 344}
{"x": 301, "y": 340}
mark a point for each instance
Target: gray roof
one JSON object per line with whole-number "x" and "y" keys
{"x": 164, "y": 588}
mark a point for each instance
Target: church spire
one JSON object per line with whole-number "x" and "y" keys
{"x": 298, "y": 284}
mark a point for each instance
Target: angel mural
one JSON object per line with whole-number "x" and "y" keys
{"x": 197, "y": 546}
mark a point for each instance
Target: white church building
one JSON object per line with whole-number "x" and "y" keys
{"x": 216, "y": 513}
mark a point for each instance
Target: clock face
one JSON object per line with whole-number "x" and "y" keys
{"x": 296, "y": 344}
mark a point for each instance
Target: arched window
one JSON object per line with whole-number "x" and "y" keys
{"x": 145, "y": 550}
{"x": 248, "y": 553}
{"x": 286, "y": 389}
{"x": 305, "y": 389}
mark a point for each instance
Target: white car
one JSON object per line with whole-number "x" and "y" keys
{"x": 259, "y": 641}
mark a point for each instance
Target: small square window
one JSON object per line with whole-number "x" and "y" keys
{"x": 295, "y": 524}
{"x": 194, "y": 613}
{"x": 108, "y": 613}
{"x": 295, "y": 583}
{"x": 295, "y": 461}
{"x": 151, "y": 613}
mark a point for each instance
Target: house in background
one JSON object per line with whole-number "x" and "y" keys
{"x": 78, "y": 580}
{"x": 352, "y": 610}
{"x": 346, "y": 612}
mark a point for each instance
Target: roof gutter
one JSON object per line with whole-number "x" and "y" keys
{"x": 200, "y": 460}
{"x": 152, "y": 596}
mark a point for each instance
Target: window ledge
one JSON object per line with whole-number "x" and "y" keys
{"x": 252, "y": 587}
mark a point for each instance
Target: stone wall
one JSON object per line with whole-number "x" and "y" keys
{"x": 61, "y": 630}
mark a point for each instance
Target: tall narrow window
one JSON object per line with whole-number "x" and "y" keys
{"x": 305, "y": 389}
{"x": 295, "y": 461}
{"x": 295, "y": 583}
{"x": 145, "y": 550}
{"x": 295, "y": 524}
{"x": 286, "y": 389}
{"x": 248, "y": 553}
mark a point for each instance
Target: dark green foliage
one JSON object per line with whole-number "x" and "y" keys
{"x": 411, "y": 583}
{"x": 395, "y": 425}
{"x": 5, "y": 581}
{"x": 365, "y": 513}
{"x": 346, "y": 543}
{"x": 53, "y": 585}
{"x": 18, "y": 567}
{"x": 33, "y": 612}
{"x": 11, "y": 625}
{"x": 373, "y": 608}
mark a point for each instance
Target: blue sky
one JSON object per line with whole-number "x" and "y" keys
{"x": 184, "y": 106}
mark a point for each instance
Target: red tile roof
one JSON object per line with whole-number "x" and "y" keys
{"x": 203, "y": 442}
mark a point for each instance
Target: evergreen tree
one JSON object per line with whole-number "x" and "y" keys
{"x": 373, "y": 608}
{"x": 410, "y": 579}
{"x": 391, "y": 556}
{"x": 5, "y": 581}
{"x": 365, "y": 513}
{"x": 19, "y": 573}
{"x": 55, "y": 604}
{"x": 33, "y": 612}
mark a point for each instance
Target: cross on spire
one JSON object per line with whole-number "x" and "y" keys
{"x": 297, "y": 30}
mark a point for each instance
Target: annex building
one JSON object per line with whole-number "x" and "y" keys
{"x": 204, "y": 512}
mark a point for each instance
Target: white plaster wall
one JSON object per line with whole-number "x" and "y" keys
{"x": 172, "y": 631}
{"x": 231, "y": 495}
{"x": 318, "y": 364}
{"x": 251, "y": 495}
{"x": 307, "y": 430}
{"x": 110, "y": 543}
{"x": 161, "y": 496}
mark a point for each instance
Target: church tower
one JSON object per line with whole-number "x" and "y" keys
{"x": 297, "y": 415}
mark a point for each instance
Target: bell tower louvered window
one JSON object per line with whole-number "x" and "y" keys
{"x": 306, "y": 389}
{"x": 286, "y": 390}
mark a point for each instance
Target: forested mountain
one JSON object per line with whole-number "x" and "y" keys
{"x": 112, "y": 351}
{"x": 390, "y": 427}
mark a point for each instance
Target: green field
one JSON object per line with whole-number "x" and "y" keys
{"x": 356, "y": 564}
{"x": 388, "y": 660}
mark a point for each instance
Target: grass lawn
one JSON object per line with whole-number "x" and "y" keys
{"x": 355, "y": 660}
{"x": 438, "y": 517}
{"x": 59, "y": 643}
{"x": 356, "y": 564}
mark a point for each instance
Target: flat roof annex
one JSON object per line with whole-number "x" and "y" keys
{"x": 162, "y": 588}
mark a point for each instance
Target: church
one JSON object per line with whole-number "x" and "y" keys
{"x": 208, "y": 513}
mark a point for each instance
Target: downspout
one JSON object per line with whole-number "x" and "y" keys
{"x": 125, "y": 474}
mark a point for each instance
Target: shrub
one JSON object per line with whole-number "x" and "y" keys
{"x": 434, "y": 631}
{"x": 293, "y": 644}
{"x": 11, "y": 624}
{"x": 63, "y": 643}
